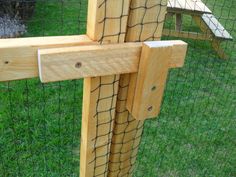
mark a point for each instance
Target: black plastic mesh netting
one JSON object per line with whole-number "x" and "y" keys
{"x": 40, "y": 124}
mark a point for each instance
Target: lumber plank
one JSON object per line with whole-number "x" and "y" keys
{"x": 18, "y": 57}
{"x": 195, "y": 6}
{"x": 107, "y": 20}
{"x": 185, "y": 34}
{"x": 151, "y": 79}
{"x": 69, "y": 63}
{"x": 216, "y": 28}
{"x": 146, "y": 20}
{"x": 97, "y": 124}
{"x": 107, "y": 23}
{"x": 145, "y": 23}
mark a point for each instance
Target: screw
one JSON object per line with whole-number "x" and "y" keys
{"x": 154, "y": 88}
{"x": 6, "y": 62}
{"x": 150, "y": 108}
{"x": 78, "y": 65}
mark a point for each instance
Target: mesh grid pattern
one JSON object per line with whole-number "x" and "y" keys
{"x": 193, "y": 136}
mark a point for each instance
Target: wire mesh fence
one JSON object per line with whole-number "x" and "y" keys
{"x": 193, "y": 136}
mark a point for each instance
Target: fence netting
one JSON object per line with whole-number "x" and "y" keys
{"x": 194, "y": 135}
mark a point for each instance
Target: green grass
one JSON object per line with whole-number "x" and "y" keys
{"x": 195, "y": 134}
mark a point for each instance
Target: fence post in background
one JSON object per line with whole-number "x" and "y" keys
{"x": 146, "y": 20}
{"x": 107, "y": 22}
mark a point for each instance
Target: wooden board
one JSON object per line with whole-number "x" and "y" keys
{"x": 88, "y": 61}
{"x": 107, "y": 22}
{"x": 146, "y": 20}
{"x": 145, "y": 23}
{"x": 150, "y": 81}
{"x": 97, "y": 124}
{"x": 69, "y": 63}
{"x": 185, "y": 34}
{"x": 18, "y": 57}
{"x": 126, "y": 135}
{"x": 194, "y": 6}
{"x": 216, "y": 28}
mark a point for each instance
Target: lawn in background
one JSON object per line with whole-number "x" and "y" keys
{"x": 193, "y": 136}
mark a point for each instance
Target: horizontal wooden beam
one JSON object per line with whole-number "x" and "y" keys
{"x": 99, "y": 60}
{"x": 18, "y": 57}
{"x": 187, "y": 35}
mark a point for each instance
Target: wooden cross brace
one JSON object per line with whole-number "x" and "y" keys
{"x": 148, "y": 63}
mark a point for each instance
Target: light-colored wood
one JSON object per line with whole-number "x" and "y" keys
{"x": 100, "y": 60}
{"x": 146, "y": 20}
{"x": 146, "y": 98}
{"x": 185, "y": 34}
{"x": 107, "y": 23}
{"x": 220, "y": 52}
{"x": 178, "y": 22}
{"x": 216, "y": 28}
{"x": 107, "y": 20}
{"x": 126, "y": 135}
{"x": 215, "y": 41}
{"x": 69, "y": 63}
{"x": 194, "y": 6}
{"x": 97, "y": 124}
{"x": 18, "y": 57}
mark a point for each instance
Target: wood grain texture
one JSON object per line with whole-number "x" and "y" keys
{"x": 69, "y": 63}
{"x": 98, "y": 60}
{"x": 18, "y": 57}
{"x": 97, "y": 124}
{"x": 147, "y": 87}
{"x": 107, "y": 20}
{"x": 126, "y": 135}
{"x": 151, "y": 79}
{"x": 146, "y": 20}
{"x": 144, "y": 23}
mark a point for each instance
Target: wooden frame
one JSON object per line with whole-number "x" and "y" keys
{"x": 111, "y": 129}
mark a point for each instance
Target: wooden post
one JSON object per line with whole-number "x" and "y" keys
{"x": 146, "y": 20}
{"x": 107, "y": 21}
{"x": 178, "y": 22}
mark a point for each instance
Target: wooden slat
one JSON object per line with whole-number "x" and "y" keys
{"x": 69, "y": 63}
{"x": 186, "y": 34}
{"x": 146, "y": 20}
{"x": 215, "y": 41}
{"x": 151, "y": 79}
{"x": 194, "y": 6}
{"x": 216, "y": 28}
{"x": 62, "y": 64}
{"x": 107, "y": 21}
{"x": 145, "y": 23}
{"x": 18, "y": 57}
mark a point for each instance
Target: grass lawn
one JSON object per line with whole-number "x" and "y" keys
{"x": 195, "y": 134}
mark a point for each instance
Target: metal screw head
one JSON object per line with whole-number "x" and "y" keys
{"x": 150, "y": 108}
{"x": 154, "y": 88}
{"x": 78, "y": 65}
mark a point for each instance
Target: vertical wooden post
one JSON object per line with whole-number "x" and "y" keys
{"x": 146, "y": 20}
{"x": 107, "y": 21}
{"x": 178, "y": 22}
